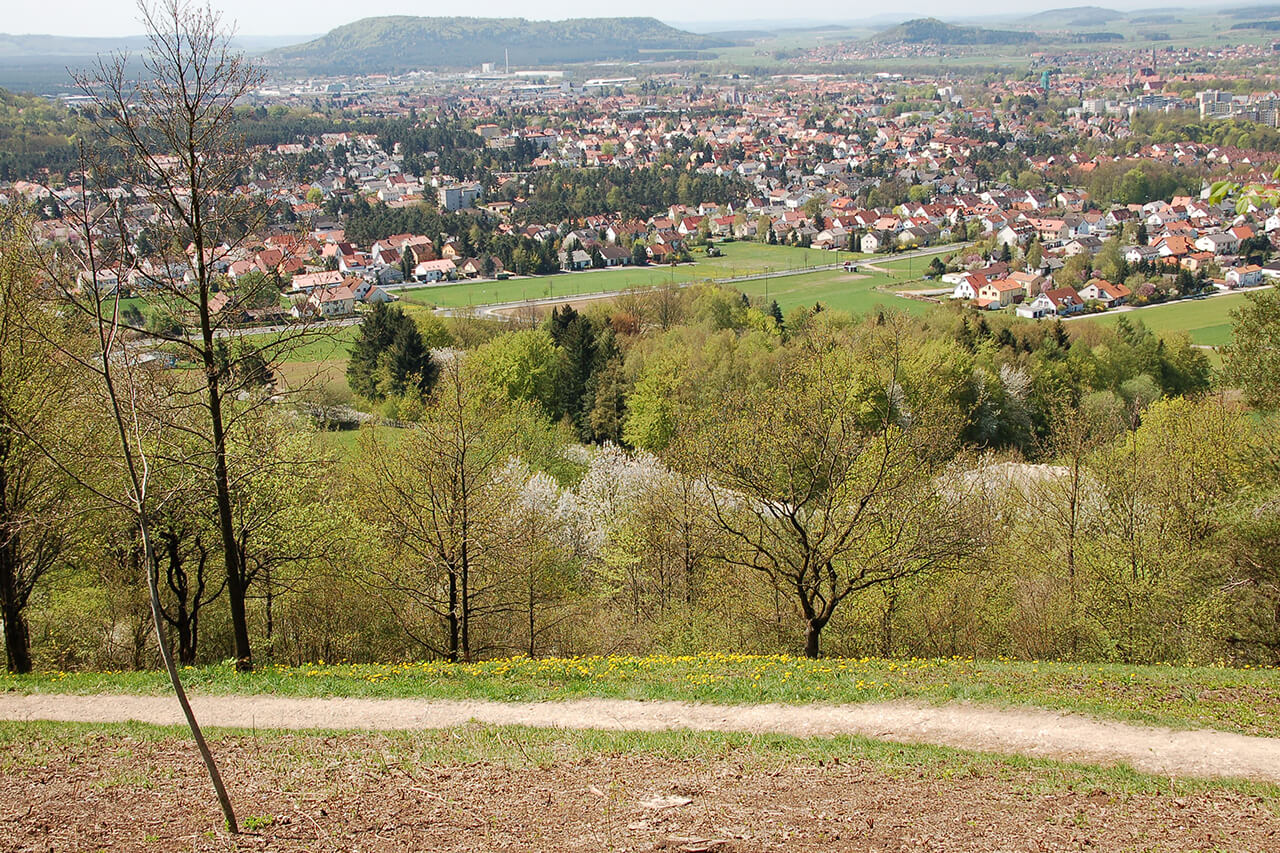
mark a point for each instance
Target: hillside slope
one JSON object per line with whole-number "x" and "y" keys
{"x": 1074, "y": 16}
{"x": 401, "y": 43}
{"x": 931, "y": 30}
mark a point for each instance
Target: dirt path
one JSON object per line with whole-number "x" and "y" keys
{"x": 1023, "y": 732}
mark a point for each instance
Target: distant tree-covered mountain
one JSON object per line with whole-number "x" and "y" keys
{"x": 1074, "y": 16}
{"x": 931, "y": 30}
{"x": 402, "y": 43}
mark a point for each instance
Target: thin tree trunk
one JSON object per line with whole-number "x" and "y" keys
{"x": 138, "y": 481}
{"x": 452, "y": 618}
{"x": 157, "y": 618}
{"x": 270, "y": 616}
{"x": 136, "y": 467}
{"x": 465, "y": 595}
{"x": 532, "y": 602}
{"x": 230, "y": 553}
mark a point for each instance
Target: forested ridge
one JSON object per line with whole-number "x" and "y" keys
{"x": 399, "y": 43}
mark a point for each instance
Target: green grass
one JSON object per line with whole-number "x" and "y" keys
{"x": 344, "y": 441}
{"x": 834, "y": 288}
{"x": 1207, "y": 321}
{"x": 859, "y": 293}
{"x": 1245, "y": 700}
{"x": 467, "y": 293}
{"x": 738, "y": 258}
{"x": 837, "y": 290}
{"x": 32, "y": 745}
{"x": 315, "y": 345}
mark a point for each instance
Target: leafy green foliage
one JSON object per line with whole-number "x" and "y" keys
{"x": 390, "y": 358}
{"x": 521, "y": 365}
{"x": 35, "y": 135}
{"x": 1253, "y": 358}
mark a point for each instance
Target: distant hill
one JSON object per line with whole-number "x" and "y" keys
{"x": 1252, "y": 11}
{"x": 1267, "y": 26}
{"x": 1074, "y": 16}
{"x": 402, "y": 43}
{"x": 931, "y": 30}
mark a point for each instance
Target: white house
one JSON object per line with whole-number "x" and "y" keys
{"x": 876, "y": 241}
{"x": 1101, "y": 290}
{"x": 1041, "y": 306}
{"x": 367, "y": 292}
{"x": 328, "y": 302}
{"x": 1015, "y": 234}
{"x": 1248, "y": 276}
{"x": 1220, "y": 243}
{"x": 968, "y": 287}
{"x": 435, "y": 270}
{"x": 1138, "y": 254}
{"x": 307, "y": 282}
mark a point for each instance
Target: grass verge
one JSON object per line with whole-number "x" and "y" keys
{"x": 1239, "y": 700}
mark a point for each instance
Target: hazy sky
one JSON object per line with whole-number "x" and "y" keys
{"x": 294, "y": 17}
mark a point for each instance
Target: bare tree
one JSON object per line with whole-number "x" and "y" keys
{"x": 113, "y": 375}
{"x": 441, "y": 496}
{"x": 170, "y": 137}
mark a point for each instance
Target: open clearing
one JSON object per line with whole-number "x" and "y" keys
{"x": 738, "y": 259}
{"x": 1207, "y": 321}
{"x": 1024, "y": 732}
{"x": 833, "y": 287}
{"x": 473, "y": 788}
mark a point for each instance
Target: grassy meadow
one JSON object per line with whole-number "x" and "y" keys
{"x": 834, "y": 288}
{"x": 1208, "y": 321}
{"x": 738, "y": 259}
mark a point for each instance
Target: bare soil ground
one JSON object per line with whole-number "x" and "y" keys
{"x": 380, "y": 792}
{"x": 1043, "y": 734}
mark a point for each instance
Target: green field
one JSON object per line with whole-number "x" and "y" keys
{"x": 834, "y": 288}
{"x": 839, "y": 290}
{"x": 738, "y": 259}
{"x": 1208, "y": 321}
{"x": 314, "y": 345}
{"x": 1241, "y": 700}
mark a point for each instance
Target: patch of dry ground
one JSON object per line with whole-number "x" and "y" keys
{"x": 383, "y": 792}
{"x": 1043, "y": 734}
